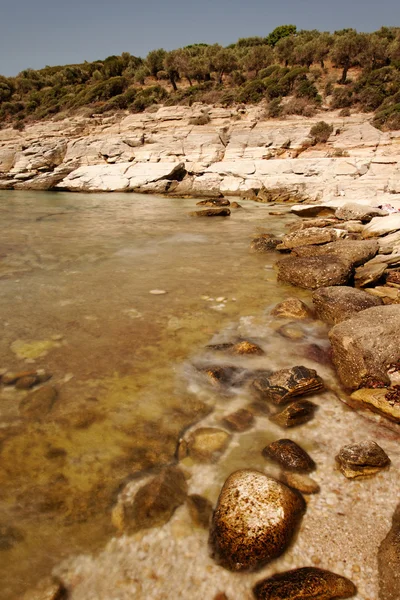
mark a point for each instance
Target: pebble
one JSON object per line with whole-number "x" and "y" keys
{"x": 295, "y": 414}
{"x": 206, "y": 444}
{"x": 362, "y": 459}
{"x": 301, "y": 482}
{"x": 290, "y": 455}
{"x": 157, "y": 292}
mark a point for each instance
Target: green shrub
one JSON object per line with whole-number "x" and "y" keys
{"x": 342, "y": 98}
{"x": 388, "y": 118}
{"x": 202, "y": 119}
{"x": 300, "y": 106}
{"x": 321, "y": 132}
{"x": 275, "y": 108}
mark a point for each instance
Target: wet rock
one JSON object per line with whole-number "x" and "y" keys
{"x": 206, "y": 444}
{"x": 39, "y": 403}
{"x": 307, "y": 237}
{"x": 351, "y": 252}
{"x": 264, "y": 243}
{"x": 289, "y": 455}
{"x": 358, "y": 212}
{"x": 361, "y": 459}
{"x": 222, "y": 375}
{"x": 9, "y": 536}
{"x": 307, "y": 583}
{"x": 255, "y": 519}
{"x": 25, "y": 383}
{"x": 47, "y": 589}
{"x": 292, "y": 308}
{"x": 154, "y": 503}
{"x": 302, "y": 483}
{"x": 259, "y": 408}
{"x": 200, "y": 510}
{"x": 241, "y": 420}
{"x": 338, "y": 303}
{"x": 280, "y": 387}
{"x": 318, "y": 354}
{"x": 313, "y": 272}
{"x": 385, "y": 401}
{"x": 246, "y": 347}
{"x": 211, "y": 212}
{"x": 214, "y": 202}
{"x": 364, "y": 346}
{"x": 291, "y": 331}
{"x": 220, "y": 347}
{"x": 389, "y": 561}
{"x": 295, "y": 414}
{"x": 10, "y": 378}
{"x": 236, "y": 205}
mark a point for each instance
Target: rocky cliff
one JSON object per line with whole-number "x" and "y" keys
{"x": 238, "y": 153}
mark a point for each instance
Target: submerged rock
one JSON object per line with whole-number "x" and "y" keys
{"x": 337, "y": 303}
{"x": 282, "y": 386}
{"x": 291, "y": 331}
{"x": 264, "y": 243}
{"x": 362, "y": 459}
{"x": 255, "y": 519}
{"x": 314, "y": 271}
{"x": 200, "y": 510}
{"x": 292, "y": 308}
{"x": 307, "y": 583}
{"x": 222, "y": 375}
{"x": 246, "y": 347}
{"x": 385, "y": 401}
{"x": 39, "y": 403}
{"x": 365, "y": 345}
{"x": 206, "y": 444}
{"x": 389, "y": 561}
{"x": 241, "y": 420}
{"x": 290, "y": 455}
{"x": 9, "y": 536}
{"x": 295, "y": 414}
{"x": 47, "y": 589}
{"x": 214, "y": 202}
{"x": 302, "y": 483}
{"x": 211, "y": 212}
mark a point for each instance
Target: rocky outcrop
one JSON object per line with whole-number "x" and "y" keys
{"x": 255, "y": 519}
{"x": 366, "y": 345}
{"x": 337, "y": 303}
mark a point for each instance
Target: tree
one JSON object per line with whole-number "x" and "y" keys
{"x": 171, "y": 66}
{"x": 280, "y": 32}
{"x": 155, "y": 61}
{"x": 258, "y": 57}
{"x": 222, "y": 60}
{"x": 284, "y": 50}
{"x": 375, "y": 52}
{"x": 346, "y": 50}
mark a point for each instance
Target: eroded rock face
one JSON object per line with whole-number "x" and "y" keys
{"x": 289, "y": 455}
{"x": 336, "y": 303}
{"x": 255, "y": 519}
{"x": 313, "y": 272}
{"x": 364, "y": 346}
{"x": 292, "y": 308}
{"x": 307, "y": 237}
{"x": 308, "y": 583}
{"x": 389, "y": 561}
{"x": 362, "y": 459}
{"x": 358, "y": 212}
{"x": 280, "y": 387}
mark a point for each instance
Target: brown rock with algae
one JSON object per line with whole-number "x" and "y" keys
{"x": 255, "y": 519}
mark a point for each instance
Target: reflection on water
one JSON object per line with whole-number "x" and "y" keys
{"x": 75, "y": 276}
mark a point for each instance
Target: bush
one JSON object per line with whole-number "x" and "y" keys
{"x": 275, "y": 108}
{"x": 299, "y": 106}
{"x": 345, "y": 112}
{"x": 342, "y": 98}
{"x": 321, "y": 132}
{"x": 388, "y": 118}
{"x": 202, "y": 119}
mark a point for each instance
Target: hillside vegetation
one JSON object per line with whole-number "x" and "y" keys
{"x": 293, "y": 72}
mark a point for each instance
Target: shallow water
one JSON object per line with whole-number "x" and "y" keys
{"x": 75, "y": 276}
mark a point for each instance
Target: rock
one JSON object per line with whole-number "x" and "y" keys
{"x": 353, "y": 226}
{"x": 215, "y": 202}
{"x": 318, "y": 354}
{"x": 280, "y": 387}
{"x": 307, "y": 583}
{"x": 388, "y": 294}
{"x": 337, "y": 303}
{"x": 236, "y": 205}
{"x": 264, "y": 243}
{"x": 358, "y": 212}
{"x": 291, "y": 331}
{"x": 313, "y": 272}
{"x": 211, "y": 212}
{"x": 362, "y": 459}
{"x": 241, "y": 420}
{"x": 39, "y": 403}
{"x": 364, "y": 346}
{"x": 295, "y": 414}
{"x": 154, "y": 503}
{"x": 220, "y": 347}
{"x": 25, "y": 383}
{"x": 157, "y": 292}
{"x": 300, "y": 226}
{"x": 307, "y": 237}
{"x": 351, "y": 252}
{"x": 381, "y": 226}
{"x": 385, "y": 401}
{"x": 302, "y": 483}
{"x": 389, "y": 561}
{"x": 222, "y": 375}
{"x": 47, "y": 589}
{"x": 9, "y": 536}
{"x": 312, "y": 210}
{"x": 247, "y": 348}
{"x": 255, "y": 519}
{"x": 289, "y": 455}
{"x": 206, "y": 444}
{"x": 292, "y": 308}
{"x": 10, "y": 378}
{"x": 369, "y": 273}
{"x": 200, "y": 510}
{"x": 393, "y": 278}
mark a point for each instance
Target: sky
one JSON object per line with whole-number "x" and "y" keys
{"x": 36, "y": 33}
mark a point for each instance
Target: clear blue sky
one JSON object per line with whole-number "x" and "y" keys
{"x": 36, "y": 33}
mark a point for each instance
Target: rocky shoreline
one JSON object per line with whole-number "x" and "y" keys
{"x": 350, "y": 261}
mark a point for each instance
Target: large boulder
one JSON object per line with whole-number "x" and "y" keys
{"x": 389, "y": 561}
{"x": 381, "y": 226}
{"x": 335, "y": 304}
{"x": 307, "y": 237}
{"x": 255, "y": 519}
{"x": 358, "y": 212}
{"x": 353, "y": 252}
{"x": 314, "y": 271}
{"x": 366, "y": 345}
{"x": 312, "y": 210}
